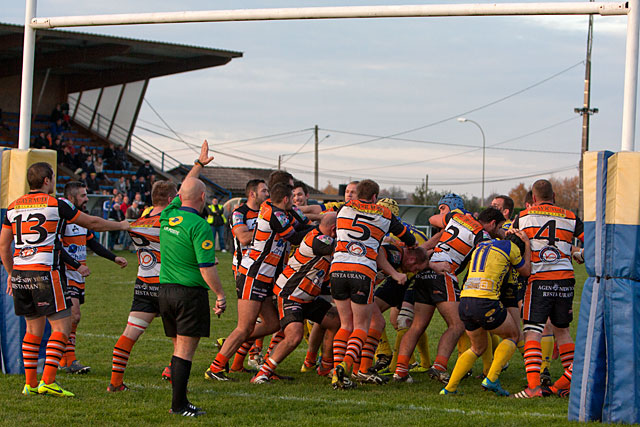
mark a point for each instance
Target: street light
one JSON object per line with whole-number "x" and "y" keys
{"x": 462, "y": 120}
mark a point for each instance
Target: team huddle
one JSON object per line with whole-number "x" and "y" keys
{"x": 326, "y": 273}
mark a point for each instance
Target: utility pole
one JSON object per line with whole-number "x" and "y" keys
{"x": 279, "y": 161}
{"x": 315, "y": 175}
{"x": 586, "y": 111}
{"x": 426, "y": 188}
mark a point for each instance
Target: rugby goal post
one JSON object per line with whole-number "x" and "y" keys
{"x": 606, "y": 381}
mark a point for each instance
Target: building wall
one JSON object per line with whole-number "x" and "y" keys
{"x": 54, "y": 93}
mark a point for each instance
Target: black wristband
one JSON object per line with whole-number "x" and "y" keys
{"x": 198, "y": 162}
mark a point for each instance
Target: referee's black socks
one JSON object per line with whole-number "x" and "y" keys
{"x": 180, "y": 371}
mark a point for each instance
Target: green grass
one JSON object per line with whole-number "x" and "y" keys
{"x": 309, "y": 400}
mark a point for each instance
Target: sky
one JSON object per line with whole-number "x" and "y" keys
{"x": 518, "y": 78}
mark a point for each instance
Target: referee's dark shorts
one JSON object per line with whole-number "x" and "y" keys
{"x": 184, "y": 310}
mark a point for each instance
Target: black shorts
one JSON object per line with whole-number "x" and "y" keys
{"x": 391, "y": 292}
{"x": 431, "y": 288}
{"x": 248, "y": 288}
{"x": 481, "y": 313}
{"x": 184, "y": 310}
{"x": 76, "y": 292}
{"x": 351, "y": 285}
{"x": 549, "y": 299}
{"x": 145, "y": 297}
{"x": 509, "y": 294}
{"x": 293, "y": 311}
{"x": 39, "y": 293}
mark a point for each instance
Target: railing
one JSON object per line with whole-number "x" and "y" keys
{"x": 158, "y": 158}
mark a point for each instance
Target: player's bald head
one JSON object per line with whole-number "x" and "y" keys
{"x": 328, "y": 223}
{"x": 192, "y": 190}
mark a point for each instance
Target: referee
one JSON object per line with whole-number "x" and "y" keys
{"x": 187, "y": 271}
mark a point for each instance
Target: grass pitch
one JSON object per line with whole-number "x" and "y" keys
{"x": 309, "y": 400}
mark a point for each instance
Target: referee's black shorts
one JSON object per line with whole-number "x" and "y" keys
{"x": 184, "y": 310}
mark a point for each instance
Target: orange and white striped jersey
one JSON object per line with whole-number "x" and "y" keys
{"x": 361, "y": 226}
{"x": 460, "y": 236}
{"x": 551, "y": 230}
{"x": 74, "y": 242}
{"x": 243, "y": 215}
{"x": 36, "y": 220}
{"x": 265, "y": 257}
{"x": 145, "y": 235}
{"x": 307, "y": 268}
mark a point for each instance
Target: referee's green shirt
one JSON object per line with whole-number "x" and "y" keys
{"x": 186, "y": 244}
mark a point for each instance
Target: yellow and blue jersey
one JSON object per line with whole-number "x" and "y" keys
{"x": 490, "y": 262}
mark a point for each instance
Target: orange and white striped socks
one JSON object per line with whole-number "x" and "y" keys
{"x": 369, "y": 349}
{"x": 532, "y": 362}
{"x": 241, "y": 354}
{"x": 340, "y": 345}
{"x": 121, "y": 353}
{"x": 55, "y": 348}
{"x": 30, "y": 351}
{"x": 354, "y": 347}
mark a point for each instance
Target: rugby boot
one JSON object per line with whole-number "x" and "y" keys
{"x": 402, "y": 379}
{"x": 189, "y": 411}
{"x": 53, "y": 389}
{"x": 306, "y": 368}
{"x": 116, "y": 388}
{"x": 260, "y": 379}
{"x": 216, "y": 376}
{"x": 438, "y": 375}
{"x": 418, "y": 370}
{"x": 371, "y": 377}
{"x": 29, "y": 391}
{"x": 166, "y": 373}
{"x": 528, "y": 393}
{"x": 545, "y": 378}
{"x": 255, "y": 361}
{"x": 494, "y": 386}
{"x": 445, "y": 392}
{"x": 77, "y": 368}
{"x": 382, "y": 362}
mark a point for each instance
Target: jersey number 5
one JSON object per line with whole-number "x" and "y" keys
{"x": 366, "y": 233}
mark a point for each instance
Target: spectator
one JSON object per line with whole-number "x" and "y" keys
{"x": 41, "y": 141}
{"x": 56, "y": 114}
{"x": 145, "y": 170}
{"x": 142, "y": 187}
{"x": 107, "y": 205}
{"x": 133, "y": 212}
{"x": 81, "y": 159}
{"x": 130, "y": 186}
{"x": 121, "y": 158}
{"x": 117, "y": 215}
{"x": 56, "y": 128}
{"x": 93, "y": 184}
{"x": 123, "y": 186}
{"x": 125, "y": 205}
{"x": 216, "y": 219}
{"x": 72, "y": 148}
{"x": 66, "y": 159}
{"x": 138, "y": 199}
{"x": 57, "y": 145}
{"x": 83, "y": 178}
{"x": 98, "y": 167}
{"x": 109, "y": 156}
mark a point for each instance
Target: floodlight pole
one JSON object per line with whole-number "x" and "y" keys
{"x": 630, "y": 77}
{"x": 26, "y": 90}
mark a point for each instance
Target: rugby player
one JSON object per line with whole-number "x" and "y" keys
{"x": 243, "y": 222}
{"x": 437, "y": 287}
{"x": 481, "y": 310}
{"x": 300, "y": 194}
{"x": 75, "y": 240}
{"x": 549, "y": 295}
{"x": 33, "y": 223}
{"x": 145, "y": 234}
{"x": 314, "y": 212}
{"x": 362, "y": 224}
{"x": 256, "y": 275}
{"x": 298, "y": 290}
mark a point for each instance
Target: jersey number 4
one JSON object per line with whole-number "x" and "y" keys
{"x": 38, "y": 228}
{"x": 550, "y": 228}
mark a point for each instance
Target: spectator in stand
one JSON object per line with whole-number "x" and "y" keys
{"x": 138, "y": 199}
{"x": 66, "y": 159}
{"x": 130, "y": 186}
{"x": 98, "y": 168}
{"x": 56, "y": 128}
{"x": 81, "y": 159}
{"x": 109, "y": 156}
{"x": 125, "y": 204}
{"x": 57, "y": 145}
{"x": 145, "y": 170}
{"x": 107, "y": 204}
{"x": 93, "y": 184}
{"x": 117, "y": 215}
{"x": 56, "y": 114}
{"x": 133, "y": 212}
{"x": 142, "y": 187}
{"x": 123, "y": 186}
{"x": 83, "y": 178}
{"x": 121, "y": 158}
{"x": 41, "y": 141}
{"x": 152, "y": 180}
{"x": 72, "y": 148}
